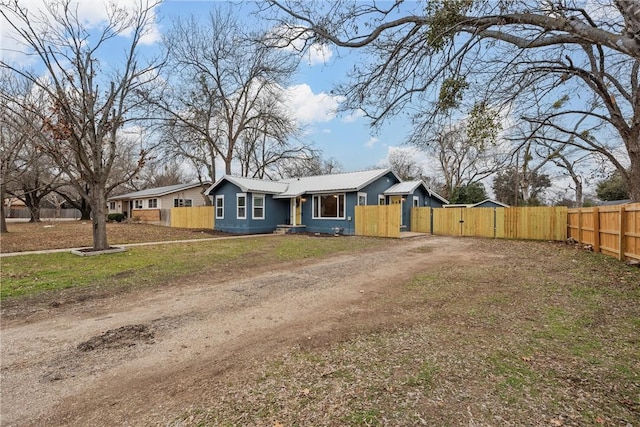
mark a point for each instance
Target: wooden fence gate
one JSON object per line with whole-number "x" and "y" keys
{"x": 377, "y": 221}
{"x": 536, "y": 223}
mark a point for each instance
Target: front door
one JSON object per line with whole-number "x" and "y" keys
{"x": 398, "y": 200}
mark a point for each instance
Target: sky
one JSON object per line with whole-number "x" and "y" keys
{"x": 345, "y": 137}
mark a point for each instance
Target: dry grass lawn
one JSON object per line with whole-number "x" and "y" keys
{"x": 24, "y": 236}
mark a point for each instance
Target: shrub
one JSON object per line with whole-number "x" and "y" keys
{"x": 117, "y": 217}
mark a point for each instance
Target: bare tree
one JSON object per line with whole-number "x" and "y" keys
{"x": 405, "y": 165}
{"x": 89, "y": 106}
{"x": 434, "y": 52}
{"x": 465, "y": 156}
{"x": 14, "y": 136}
{"x": 228, "y": 103}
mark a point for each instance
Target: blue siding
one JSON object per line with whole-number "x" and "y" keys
{"x": 276, "y": 212}
{"x": 346, "y": 225}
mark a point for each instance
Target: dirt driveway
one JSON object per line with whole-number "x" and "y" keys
{"x": 142, "y": 358}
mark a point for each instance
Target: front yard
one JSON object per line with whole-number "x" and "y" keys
{"x": 298, "y": 330}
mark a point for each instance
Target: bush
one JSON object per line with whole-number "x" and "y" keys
{"x": 115, "y": 217}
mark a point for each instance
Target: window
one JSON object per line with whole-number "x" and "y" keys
{"x": 153, "y": 203}
{"x": 362, "y": 199}
{"x": 182, "y": 203}
{"x": 258, "y": 206}
{"x": 241, "y": 204}
{"x": 137, "y": 204}
{"x": 220, "y": 207}
{"x": 380, "y": 200}
{"x": 112, "y": 206}
{"x": 329, "y": 206}
{"x": 416, "y": 201}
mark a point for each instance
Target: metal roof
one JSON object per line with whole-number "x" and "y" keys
{"x": 158, "y": 191}
{"x": 408, "y": 187}
{"x": 341, "y": 182}
{"x": 252, "y": 185}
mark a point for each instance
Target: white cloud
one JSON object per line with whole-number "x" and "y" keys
{"x": 92, "y": 14}
{"x": 350, "y": 118}
{"x": 308, "y": 107}
{"x": 371, "y": 142}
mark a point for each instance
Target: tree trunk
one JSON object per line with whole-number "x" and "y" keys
{"x": 3, "y": 221}
{"x": 85, "y": 210}
{"x": 33, "y": 204}
{"x": 99, "y": 220}
{"x": 634, "y": 179}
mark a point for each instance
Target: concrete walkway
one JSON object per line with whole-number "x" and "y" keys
{"x": 129, "y": 245}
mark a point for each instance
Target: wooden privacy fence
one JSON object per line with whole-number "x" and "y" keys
{"x": 535, "y": 223}
{"x": 612, "y": 230}
{"x": 192, "y": 217}
{"x": 378, "y": 221}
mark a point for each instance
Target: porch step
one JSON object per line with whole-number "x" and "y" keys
{"x": 280, "y": 230}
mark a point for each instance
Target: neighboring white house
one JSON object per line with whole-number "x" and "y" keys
{"x": 146, "y": 204}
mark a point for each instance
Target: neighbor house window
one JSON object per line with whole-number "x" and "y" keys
{"x": 362, "y": 199}
{"x": 329, "y": 206}
{"x": 416, "y": 201}
{"x": 241, "y": 203}
{"x": 220, "y": 207}
{"x": 182, "y": 203}
{"x": 112, "y": 206}
{"x": 137, "y": 204}
{"x": 380, "y": 200}
{"x": 153, "y": 203}
{"x": 258, "y": 206}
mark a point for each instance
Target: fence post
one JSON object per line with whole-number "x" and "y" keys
{"x": 596, "y": 229}
{"x": 580, "y": 225}
{"x": 621, "y": 239}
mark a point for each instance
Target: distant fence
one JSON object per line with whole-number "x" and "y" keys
{"x": 612, "y": 230}
{"x": 45, "y": 213}
{"x": 535, "y": 223}
{"x": 193, "y": 217}
{"x": 378, "y": 221}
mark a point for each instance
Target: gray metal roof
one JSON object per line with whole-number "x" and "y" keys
{"x": 157, "y": 191}
{"x": 341, "y": 182}
{"x": 406, "y": 187}
{"x": 252, "y": 185}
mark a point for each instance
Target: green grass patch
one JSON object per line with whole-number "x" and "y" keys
{"x": 145, "y": 265}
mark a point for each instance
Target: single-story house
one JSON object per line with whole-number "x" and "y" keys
{"x": 146, "y": 204}
{"x": 317, "y": 204}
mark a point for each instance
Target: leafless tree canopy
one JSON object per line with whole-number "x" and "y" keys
{"x": 228, "y": 102}
{"x": 89, "y": 103}
{"x": 435, "y": 55}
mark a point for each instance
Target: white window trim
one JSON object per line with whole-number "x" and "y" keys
{"x": 138, "y": 204}
{"x": 416, "y": 201}
{"x": 220, "y": 198}
{"x": 149, "y": 203}
{"x": 316, "y": 199}
{"x": 381, "y": 198}
{"x": 238, "y": 195}
{"x": 253, "y": 206}
{"x": 358, "y": 199}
